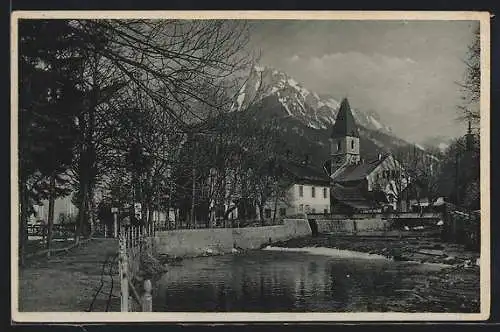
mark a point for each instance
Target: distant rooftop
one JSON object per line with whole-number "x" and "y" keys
{"x": 304, "y": 173}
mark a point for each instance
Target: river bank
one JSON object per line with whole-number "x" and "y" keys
{"x": 423, "y": 249}
{"x": 453, "y": 284}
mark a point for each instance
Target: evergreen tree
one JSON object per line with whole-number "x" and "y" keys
{"x": 48, "y": 102}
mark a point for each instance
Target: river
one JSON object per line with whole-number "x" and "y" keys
{"x": 321, "y": 280}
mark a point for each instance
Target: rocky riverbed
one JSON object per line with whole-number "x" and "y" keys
{"x": 453, "y": 285}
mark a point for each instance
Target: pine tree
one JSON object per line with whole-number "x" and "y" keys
{"x": 48, "y": 100}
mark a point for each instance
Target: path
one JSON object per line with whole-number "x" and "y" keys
{"x": 68, "y": 282}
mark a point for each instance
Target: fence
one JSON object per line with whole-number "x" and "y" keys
{"x": 134, "y": 241}
{"x": 235, "y": 223}
{"x": 66, "y": 231}
{"x": 463, "y": 227}
{"x": 387, "y": 215}
{"x": 59, "y": 231}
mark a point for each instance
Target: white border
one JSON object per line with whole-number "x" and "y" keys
{"x": 84, "y": 317}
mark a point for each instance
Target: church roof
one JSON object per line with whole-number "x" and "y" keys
{"x": 358, "y": 172}
{"x": 345, "y": 125}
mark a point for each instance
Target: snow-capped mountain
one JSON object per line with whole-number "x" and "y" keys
{"x": 306, "y": 118}
{"x": 313, "y": 110}
{"x": 441, "y": 143}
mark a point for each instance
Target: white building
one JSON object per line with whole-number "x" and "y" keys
{"x": 62, "y": 205}
{"x": 308, "y": 193}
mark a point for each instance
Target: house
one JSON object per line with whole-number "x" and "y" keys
{"x": 358, "y": 185}
{"x": 64, "y": 209}
{"x": 308, "y": 191}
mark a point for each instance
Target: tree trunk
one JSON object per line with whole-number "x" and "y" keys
{"x": 82, "y": 211}
{"x": 229, "y": 210}
{"x": 193, "y": 216}
{"x": 91, "y": 213}
{"x": 50, "y": 222}
{"x": 261, "y": 214}
{"x": 150, "y": 220}
{"x": 275, "y": 208}
{"x": 23, "y": 235}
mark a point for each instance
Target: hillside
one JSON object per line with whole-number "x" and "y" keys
{"x": 313, "y": 110}
{"x": 306, "y": 118}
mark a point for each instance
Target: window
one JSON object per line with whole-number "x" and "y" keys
{"x": 282, "y": 212}
{"x": 338, "y": 146}
{"x": 301, "y": 191}
{"x": 325, "y": 193}
{"x": 352, "y": 144}
{"x": 267, "y": 213}
{"x": 313, "y": 192}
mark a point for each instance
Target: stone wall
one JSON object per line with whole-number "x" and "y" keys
{"x": 196, "y": 242}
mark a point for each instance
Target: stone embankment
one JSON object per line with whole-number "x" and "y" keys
{"x": 217, "y": 241}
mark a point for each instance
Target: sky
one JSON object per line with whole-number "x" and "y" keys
{"x": 406, "y": 71}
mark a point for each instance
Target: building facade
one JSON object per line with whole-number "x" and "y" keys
{"x": 360, "y": 185}
{"x": 308, "y": 192}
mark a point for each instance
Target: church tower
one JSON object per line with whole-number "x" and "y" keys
{"x": 345, "y": 138}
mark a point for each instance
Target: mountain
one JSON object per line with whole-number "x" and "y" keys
{"x": 313, "y": 110}
{"x": 438, "y": 142}
{"x": 306, "y": 118}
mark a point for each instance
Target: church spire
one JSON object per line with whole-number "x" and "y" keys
{"x": 345, "y": 125}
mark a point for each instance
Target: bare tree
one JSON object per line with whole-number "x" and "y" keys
{"x": 182, "y": 71}
{"x": 471, "y": 84}
{"x": 418, "y": 175}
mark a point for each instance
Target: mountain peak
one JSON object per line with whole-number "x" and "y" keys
{"x": 315, "y": 111}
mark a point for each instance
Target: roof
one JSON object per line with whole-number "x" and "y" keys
{"x": 306, "y": 173}
{"x": 358, "y": 171}
{"x": 351, "y": 196}
{"x": 345, "y": 125}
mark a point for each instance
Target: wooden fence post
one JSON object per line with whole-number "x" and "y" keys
{"x": 124, "y": 295}
{"x": 147, "y": 298}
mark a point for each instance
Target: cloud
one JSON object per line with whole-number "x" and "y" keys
{"x": 415, "y": 98}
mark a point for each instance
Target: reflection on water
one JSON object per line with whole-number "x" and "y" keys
{"x": 266, "y": 281}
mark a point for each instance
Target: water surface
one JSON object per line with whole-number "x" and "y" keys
{"x": 277, "y": 281}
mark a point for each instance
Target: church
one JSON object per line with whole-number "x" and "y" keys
{"x": 357, "y": 185}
